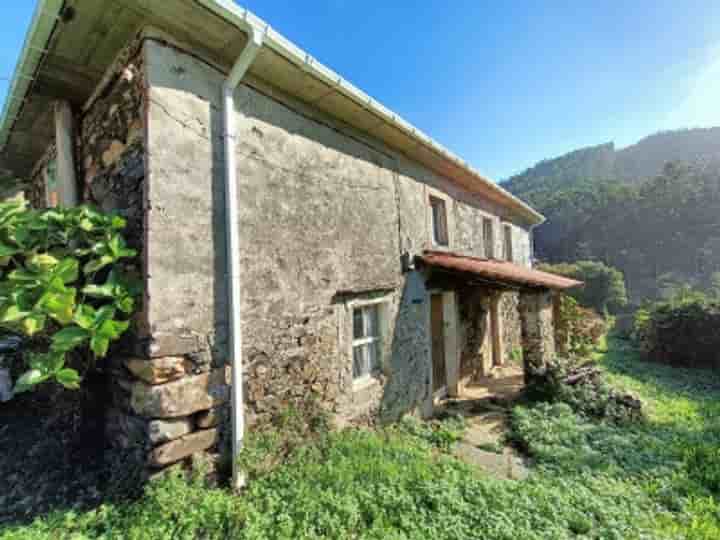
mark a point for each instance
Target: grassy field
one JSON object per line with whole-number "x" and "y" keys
{"x": 659, "y": 480}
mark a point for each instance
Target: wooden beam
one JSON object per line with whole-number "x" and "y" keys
{"x": 67, "y": 181}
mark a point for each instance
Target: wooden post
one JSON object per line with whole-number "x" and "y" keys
{"x": 496, "y": 331}
{"x": 64, "y": 142}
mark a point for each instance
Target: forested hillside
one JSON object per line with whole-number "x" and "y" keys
{"x": 652, "y": 209}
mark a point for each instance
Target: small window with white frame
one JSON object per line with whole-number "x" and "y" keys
{"x": 439, "y": 221}
{"x": 367, "y": 340}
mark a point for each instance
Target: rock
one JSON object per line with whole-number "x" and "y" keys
{"x": 182, "y": 397}
{"x": 181, "y": 448}
{"x": 162, "y": 431}
{"x": 6, "y": 386}
{"x": 112, "y": 154}
{"x": 157, "y": 370}
{"x": 210, "y": 418}
{"x": 135, "y": 132}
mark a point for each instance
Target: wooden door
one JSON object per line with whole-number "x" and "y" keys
{"x": 437, "y": 328}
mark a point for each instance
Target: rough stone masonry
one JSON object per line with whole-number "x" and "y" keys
{"x": 327, "y": 217}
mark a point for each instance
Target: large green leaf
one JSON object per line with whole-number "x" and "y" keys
{"x": 42, "y": 263}
{"x": 60, "y": 306}
{"x": 47, "y": 363}
{"x": 13, "y": 314}
{"x": 7, "y": 251}
{"x": 98, "y": 264}
{"x": 69, "y": 378}
{"x": 23, "y": 275}
{"x": 67, "y": 270}
{"x": 33, "y": 323}
{"x": 84, "y": 316}
{"x": 29, "y": 379}
{"x": 69, "y": 338}
{"x": 99, "y": 345}
{"x": 100, "y": 291}
{"x": 112, "y": 329}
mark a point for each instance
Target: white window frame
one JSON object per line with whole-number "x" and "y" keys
{"x": 381, "y": 304}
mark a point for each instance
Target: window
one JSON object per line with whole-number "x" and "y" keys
{"x": 439, "y": 222}
{"x": 507, "y": 233}
{"x": 488, "y": 238}
{"x": 366, "y": 340}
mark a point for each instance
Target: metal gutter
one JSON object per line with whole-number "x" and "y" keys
{"x": 284, "y": 47}
{"x": 232, "y": 233}
{"x": 47, "y": 13}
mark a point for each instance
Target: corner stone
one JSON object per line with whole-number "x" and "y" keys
{"x": 157, "y": 370}
{"x": 183, "y": 447}
{"x": 182, "y": 397}
{"x": 162, "y": 431}
{"x": 208, "y": 419}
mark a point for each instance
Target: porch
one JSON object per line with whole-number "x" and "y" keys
{"x": 491, "y": 326}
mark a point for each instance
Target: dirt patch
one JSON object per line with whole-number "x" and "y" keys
{"x": 52, "y": 456}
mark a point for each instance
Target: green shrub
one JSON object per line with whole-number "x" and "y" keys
{"x": 441, "y": 434}
{"x": 63, "y": 286}
{"x": 681, "y": 331}
{"x": 579, "y": 329}
{"x": 604, "y": 288}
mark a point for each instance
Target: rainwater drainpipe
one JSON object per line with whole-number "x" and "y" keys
{"x": 232, "y": 232}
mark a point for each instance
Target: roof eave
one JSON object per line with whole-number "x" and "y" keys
{"x": 48, "y": 11}
{"x": 41, "y": 28}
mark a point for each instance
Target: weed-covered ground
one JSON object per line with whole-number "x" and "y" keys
{"x": 660, "y": 480}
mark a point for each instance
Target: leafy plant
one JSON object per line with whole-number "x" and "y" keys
{"x": 62, "y": 285}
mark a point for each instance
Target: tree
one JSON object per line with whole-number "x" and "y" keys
{"x": 604, "y": 288}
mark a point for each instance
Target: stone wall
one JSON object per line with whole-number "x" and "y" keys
{"x": 509, "y": 308}
{"x": 475, "y": 334}
{"x": 538, "y": 336}
{"x": 326, "y": 213}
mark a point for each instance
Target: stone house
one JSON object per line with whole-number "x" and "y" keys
{"x": 289, "y": 225}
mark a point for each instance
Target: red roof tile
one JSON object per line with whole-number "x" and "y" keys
{"x": 493, "y": 269}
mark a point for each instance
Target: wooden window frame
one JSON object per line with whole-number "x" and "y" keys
{"x": 508, "y": 242}
{"x": 488, "y": 225}
{"x": 439, "y": 221}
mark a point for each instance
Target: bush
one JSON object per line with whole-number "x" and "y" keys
{"x": 64, "y": 287}
{"x": 583, "y": 387}
{"x": 682, "y": 331}
{"x": 604, "y": 288}
{"x": 579, "y": 329}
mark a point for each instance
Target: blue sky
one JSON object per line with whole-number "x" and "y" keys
{"x": 505, "y": 84}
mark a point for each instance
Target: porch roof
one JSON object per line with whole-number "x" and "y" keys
{"x": 495, "y": 270}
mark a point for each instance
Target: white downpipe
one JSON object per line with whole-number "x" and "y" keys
{"x": 232, "y": 232}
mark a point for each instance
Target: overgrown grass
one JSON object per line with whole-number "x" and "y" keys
{"x": 591, "y": 480}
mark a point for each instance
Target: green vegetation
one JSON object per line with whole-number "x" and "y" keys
{"x": 656, "y": 223}
{"x": 591, "y": 479}
{"x": 62, "y": 285}
{"x": 604, "y": 288}
{"x": 682, "y": 331}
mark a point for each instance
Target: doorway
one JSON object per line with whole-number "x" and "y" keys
{"x": 437, "y": 329}
{"x": 443, "y": 337}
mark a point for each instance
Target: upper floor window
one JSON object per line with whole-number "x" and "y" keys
{"x": 366, "y": 343}
{"x": 488, "y": 238}
{"x": 439, "y": 221}
{"x": 507, "y": 237}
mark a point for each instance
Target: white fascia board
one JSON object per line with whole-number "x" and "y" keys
{"x": 281, "y": 45}
{"x": 43, "y": 22}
